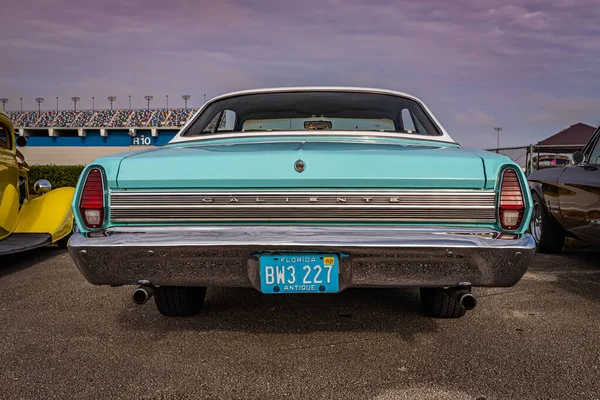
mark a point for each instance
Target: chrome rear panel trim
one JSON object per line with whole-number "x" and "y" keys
{"x": 376, "y": 206}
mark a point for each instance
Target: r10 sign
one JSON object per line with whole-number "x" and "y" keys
{"x": 142, "y": 141}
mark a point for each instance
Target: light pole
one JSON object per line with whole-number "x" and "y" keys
{"x": 93, "y": 105}
{"x": 130, "y": 102}
{"x": 4, "y": 100}
{"x": 75, "y": 100}
{"x": 185, "y": 98}
{"x": 204, "y": 98}
{"x": 149, "y": 99}
{"x": 498, "y": 129}
{"x": 111, "y": 99}
{"x": 167, "y": 96}
{"x": 39, "y": 100}
{"x": 21, "y": 103}
{"x": 56, "y": 103}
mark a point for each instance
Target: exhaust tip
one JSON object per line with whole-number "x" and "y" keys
{"x": 468, "y": 301}
{"x": 142, "y": 294}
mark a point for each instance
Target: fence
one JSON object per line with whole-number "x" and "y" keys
{"x": 534, "y": 156}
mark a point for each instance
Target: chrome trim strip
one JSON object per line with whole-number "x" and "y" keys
{"x": 257, "y": 231}
{"x": 325, "y": 139}
{"x": 443, "y": 192}
{"x": 294, "y": 235}
{"x": 266, "y": 219}
{"x": 305, "y": 134}
{"x": 304, "y": 206}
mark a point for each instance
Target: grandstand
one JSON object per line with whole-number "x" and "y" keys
{"x": 68, "y": 137}
{"x": 168, "y": 118}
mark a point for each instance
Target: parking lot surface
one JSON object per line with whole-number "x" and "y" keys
{"x": 61, "y": 337}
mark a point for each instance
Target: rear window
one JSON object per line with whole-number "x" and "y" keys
{"x": 314, "y": 111}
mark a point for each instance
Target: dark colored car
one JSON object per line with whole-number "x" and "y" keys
{"x": 567, "y": 200}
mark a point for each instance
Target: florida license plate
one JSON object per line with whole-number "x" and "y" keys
{"x": 299, "y": 273}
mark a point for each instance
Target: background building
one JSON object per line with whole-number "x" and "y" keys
{"x": 575, "y": 136}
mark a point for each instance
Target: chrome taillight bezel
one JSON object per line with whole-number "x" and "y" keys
{"x": 104, "y": 205}
{"x": 519, "y": 208}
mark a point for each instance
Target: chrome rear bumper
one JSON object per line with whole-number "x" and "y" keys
{"x": 370, "y": 256}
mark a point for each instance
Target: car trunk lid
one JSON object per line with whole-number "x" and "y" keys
{"x": 328, "y": 164}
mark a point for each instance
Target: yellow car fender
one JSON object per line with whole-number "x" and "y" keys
{"x": 9, "y": 211}
{"x": 50, "y": 213}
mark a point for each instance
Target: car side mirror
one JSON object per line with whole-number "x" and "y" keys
{"x": 21, "y": 141}
{"x": 578, "y": 157}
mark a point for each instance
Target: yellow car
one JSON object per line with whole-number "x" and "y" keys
{"x": 28, "y": 223}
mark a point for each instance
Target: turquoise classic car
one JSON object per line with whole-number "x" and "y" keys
{"x": 305, "y": 190}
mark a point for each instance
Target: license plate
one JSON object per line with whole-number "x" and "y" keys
{"x": 299, "y": 273}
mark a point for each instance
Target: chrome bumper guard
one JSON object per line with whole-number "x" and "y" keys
{"x": 370, "y": 256}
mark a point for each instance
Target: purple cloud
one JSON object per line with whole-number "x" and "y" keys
{"x": 476, "y": 63}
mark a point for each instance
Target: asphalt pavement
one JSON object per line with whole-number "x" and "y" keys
{"x": 61, "y": 337}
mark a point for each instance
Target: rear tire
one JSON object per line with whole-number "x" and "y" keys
{"x": 179, "y": 301}
{"x": 549, "y": 235}
{"x": 439, "y": 303}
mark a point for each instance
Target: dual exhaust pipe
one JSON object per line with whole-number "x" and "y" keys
{"x": 142, "y": 294}
{"x": 465, "y": 298}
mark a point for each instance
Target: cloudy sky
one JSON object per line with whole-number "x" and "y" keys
{"x": 530, "y": 66}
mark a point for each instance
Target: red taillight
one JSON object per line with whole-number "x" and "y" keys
{"x": 91, "y": 205}
{"x": 512, "y": 203}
